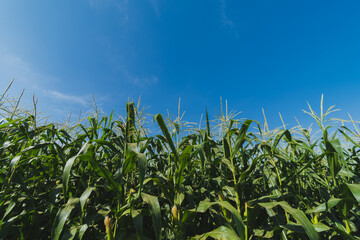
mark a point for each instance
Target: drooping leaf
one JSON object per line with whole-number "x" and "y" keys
{"x": 61, "y": 217}
{"x": 240, "y": 138}
{"x": 138, "y": 223}
{"x": 167, "y": 135}
{"x": 68, "y": 166}
{"x": 298, "y": 215}
{"x": 84, "y": 196}
{"x": 66, "y": 174}
{"x": 327, "y": 206}
{"x": 223, "y": 233}
{"x": 240, "y": 226}
{"x": 82, "y": 231}
{"x": 355, "y": 190}
{"x": 153, "y": 202}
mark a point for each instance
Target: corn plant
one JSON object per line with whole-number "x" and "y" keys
{"x": 108, "y": 178}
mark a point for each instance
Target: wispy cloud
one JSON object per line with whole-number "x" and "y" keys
{"x": 32, "y": 80}
{"x": 145, "y": 81}
{"x": 26, "y": 77}
{"x": 224, "y": 17}
{"x": 12, "y": 66}
{"x": 122, "y": 6}
{"x": 67, "y": 97}
{"x": 155, "y": 5}
{"x": 52, "y": 101}
{"x": 14, "y": 61}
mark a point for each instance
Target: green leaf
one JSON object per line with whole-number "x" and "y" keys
{"x": 203, "y": 206}
{"x": 14, "y": 162}
{"x": 37, "y": 146}
{"x": 294, "y": 227}
{"x": 68, "y": 166}
{"x": 82, "y": 231}
{"x": 130, "y": 123}
{"x": 263, "y": 233}
{"x": 66, "y": 174}
{"x": 332, "y": 202}
{"x": 335, "y": 143}
{"x": 142, "y": 163}
{"x": 153, "y": 202}
{"x": 320, "y": 227}
{"x": 240, "y": 138}
{"x": 8, "y": 210}
{"x": 280, "y": 135}
{"x": 332, "y": 153}
{"x": 184, "y": 160}
{"x": 102, "y": 172}
{"x": 347, "y": 137}
{"x": 69, "y": 234}
{"x": 207, "y": 124}
{"x": 350, "y": 197}
{"x": 298, "y": 215}
{"x": 138, "y": 223}
{"x": 355, "y": 190}
{"x": 107, "y": 143}
{"x": 84, "y": 196}
{"x": 167, "y": 135}
{"x": 61, "y": 218}
{"x": 223, "y": 233}
{"x": 226, "y": 145}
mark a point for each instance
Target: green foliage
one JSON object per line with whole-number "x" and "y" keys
{"x": 229, "y": 183}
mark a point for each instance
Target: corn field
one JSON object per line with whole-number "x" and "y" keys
{"x": 107, "y": 178}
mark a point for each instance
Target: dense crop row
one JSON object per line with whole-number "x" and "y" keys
{"x": 246, "y": 184}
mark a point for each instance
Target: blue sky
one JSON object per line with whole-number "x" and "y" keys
{"x": 274, "y": 55}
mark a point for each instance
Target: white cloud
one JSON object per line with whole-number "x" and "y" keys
{"x": 145, "y": 81}
{"x": 154, "y": 4}
{"x": 13, "y": 66}
{"x": 13, "y": 61}
{"x": 224, "y": 18}
{"x": 33, "y": 81}
{"x": 120, "y": 5}
{"x": 67, "y": 97}
{"x": 52, "y": 102}
{"x": 141, "y": 81}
